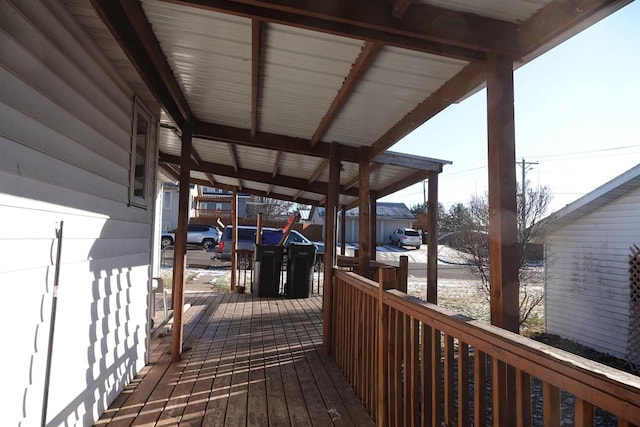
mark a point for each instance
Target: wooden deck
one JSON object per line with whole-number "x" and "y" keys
{"x": 249, "y": 361}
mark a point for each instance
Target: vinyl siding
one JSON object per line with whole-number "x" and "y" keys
{"x": 587, "y": 296}
{"x": 65, "y": 123}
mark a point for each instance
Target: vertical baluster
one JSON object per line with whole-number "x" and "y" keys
{"x": 479, "y": 388}
{"x": 463, "y": 384}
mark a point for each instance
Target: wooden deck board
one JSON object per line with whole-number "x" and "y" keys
{"x": 247, "y": 361}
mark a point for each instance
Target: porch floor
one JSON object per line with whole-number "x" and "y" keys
{"x": 247, "y": 361}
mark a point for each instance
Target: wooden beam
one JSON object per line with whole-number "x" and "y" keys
{"x": 180, "y": 247}
{"x": 411, "y": 179}
{"x": 235, "y": 162}
{"x": 171, "y": 171}
{"x": 561, "y": 19}
{"x": 368, "y": 53}
{"x": 503, "y": 225}
{"x": 468, "y": 79}
{"x": 331, "y": 208}
{"x": 364, "y": 239}
{"x": 373, "y": 217}
{"x": 318, "y": 171}
{"x": 198, "y": 160}
{"x": 251, "y": 175}
{"x": 256, "y": 61}
{"x": 353, "y": 181}
{"x": 428, "y": 28}
{"x": 343, "y": 230}
{"x": 432, "y": 240}
{"x": 298, "y": 194}
{"x": 128, "y": 24}
{"x": 268, "y": 141}
{"x": 503, "y": 245}
{"x": 410, "y": 161}
{"x": 234, "y": 240}
{"x": 400, "y": 8}
{"x": 276, "y": 164}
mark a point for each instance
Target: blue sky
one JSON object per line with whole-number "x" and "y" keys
{"x": 577, "y": 113}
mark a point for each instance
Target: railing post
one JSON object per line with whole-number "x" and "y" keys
{"x": 402, "y": 276}
{"x": 387, "y": 278}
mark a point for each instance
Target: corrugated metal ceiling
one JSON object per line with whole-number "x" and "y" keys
{"x": 322, "y": 85}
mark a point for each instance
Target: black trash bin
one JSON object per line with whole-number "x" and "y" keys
{"x": 300, "y": 261}
{"x": 268, "y": 263}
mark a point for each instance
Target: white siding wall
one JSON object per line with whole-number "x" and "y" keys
{"x": 64, "y": 156}
{"x": 587, "y": 296}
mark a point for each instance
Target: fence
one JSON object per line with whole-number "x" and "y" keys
{"x": 415, "y": 363}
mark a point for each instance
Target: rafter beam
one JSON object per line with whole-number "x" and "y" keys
{"x": 268, "y": 141}
{"x": 400, "y": 8}
{"x": 251, "y": 175}
{"x": 235, "y": 162}
{"x": 318, "y": 171}
{"x": 428, "y": 28}
{"x": 276, "y": 164}
{"x": 561, "y": 18}
{"x": 368, "y": 53}
{"x": 129, "y": 26}
{"x": 297, "y": 195}
{"x": 411, "y": 179}
{"x": 468, "y": 79}
{"x": 353, "y": 181}
{"x": 197, "y": 159}
{"x": 256, "y": 49}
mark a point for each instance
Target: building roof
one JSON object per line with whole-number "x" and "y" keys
{"x": 384, "y": 210}
{"x": 606, "y": 193}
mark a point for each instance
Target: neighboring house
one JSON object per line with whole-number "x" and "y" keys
{"x": 216, "y": 203}
{"x": 69, "y": 156}
{"x": 587, "y": 255}
{"x": 389, "y": 217}
{"x": 170, "y": 205}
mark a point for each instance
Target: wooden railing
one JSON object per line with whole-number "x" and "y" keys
{"x": 415, "y": 363}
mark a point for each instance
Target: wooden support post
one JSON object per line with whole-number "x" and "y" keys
{"x": 403, "y": 274}
{"x": 503, "y": 248}
{"x": 364, "y": 240}
{"x": 234, "y": 239}
{"x": 180, "y": 247}
{"x": 331, "y": 211}
{"x": 373, "y": 201}
{"x": 432, "y": 240}
{"x": 343, "y": 230}
{"x": 387, "y": 279}
{"x": 259, "y": 228}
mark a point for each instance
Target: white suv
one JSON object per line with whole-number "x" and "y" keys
{"x": 406, "y": 237}
{"x": 206, "y": 235}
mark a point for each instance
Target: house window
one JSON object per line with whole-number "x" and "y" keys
{"x": 218, "y": 206}
{"x": 140, "y": 150}
{"x": 166, "y": 200}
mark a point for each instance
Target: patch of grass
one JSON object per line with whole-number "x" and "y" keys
{"x": 167, "y": 277}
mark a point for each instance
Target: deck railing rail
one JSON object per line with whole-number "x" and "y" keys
{"x": 413, "y": 363}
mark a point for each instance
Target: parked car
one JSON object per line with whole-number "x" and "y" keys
{"x": 406, "y": 237}
{"x": 206, "y": 235}
{"x": 247, "y": 240}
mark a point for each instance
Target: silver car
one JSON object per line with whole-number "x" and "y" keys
{"x": 406, "y": 237}
{"x": 206, "y": 235}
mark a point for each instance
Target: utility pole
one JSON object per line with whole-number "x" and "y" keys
{"x": 523, "y": 196}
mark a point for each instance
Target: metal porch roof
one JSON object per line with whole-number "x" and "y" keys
{"x": 269, "y": 85}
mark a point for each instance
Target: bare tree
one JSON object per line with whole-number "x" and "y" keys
{"x": 474, "y": 240}
{"x": 270, "y": 208}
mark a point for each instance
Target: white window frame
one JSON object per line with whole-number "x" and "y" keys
{"x": 140, "y": 197}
